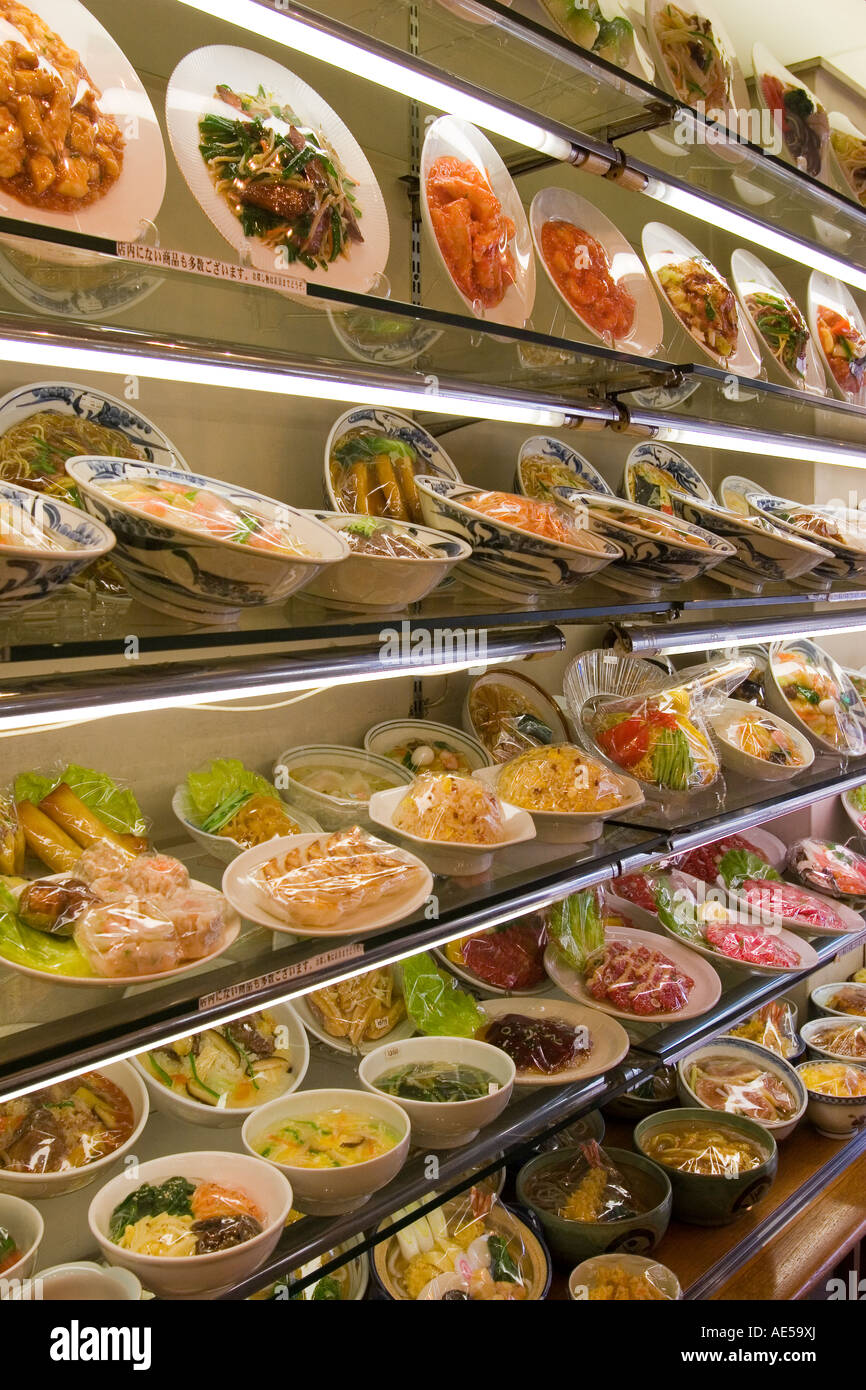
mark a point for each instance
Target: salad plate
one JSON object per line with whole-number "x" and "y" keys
{"x": 692, "y": 913}
{"x": 134, "y": 197}
{"x": 700, "y": 300}
{"x": 227, "y": 88}
{"x": 839, "y": 329}
{"x": 848, "y": 156}
{"x": 704, "y": 993}
{"x": 801, "y": 125}
{"x": 779, "y": 326}
{"x": 545, "y": 463}
{"x": 456, "y": 160}
{"x": 581, "y": 249}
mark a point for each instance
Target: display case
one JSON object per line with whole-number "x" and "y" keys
{"x": 387, "y": 393}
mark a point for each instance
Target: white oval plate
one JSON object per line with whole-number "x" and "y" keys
{"x": 737, "y": 97}
{"x": 663, "y": 246}
{"x": 705, "y": 992}
{"x": 88, "y": 403}
{"x": 136, "y": 197}
{"x": 125, "y": 981}
{"x": 236, "y": 887}
{"x": 765, "y": 65}
{"x": 808, "y": 957}
{"x": 826, "y": 290}
{"x": 610, "y": 1041}
{"x": 451, "y": 137}
{"x": 190, "y": 95}
{"x": 841, "y": 124}
{"x": 799, "y": 929}
{"x": 751, "y": 276}
{"x": 626, "y": 267}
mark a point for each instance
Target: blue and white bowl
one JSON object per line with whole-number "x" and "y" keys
{"x": 87, "y": 405}
{"x": 186, "y": 573}
{"x": 432, "y": 458}
{"x": 29, "y": 574}
{"x": 506, "y": 560}
{"x": 649, "y": 563}
{"x": 846, "y": 558}
{"x": 764, "y": 554}
{"x": 558, "y": 453}
{"x": 837, "y": 1117}
{"x": 681, "y": 476}
{"x": 741, "y": 1050}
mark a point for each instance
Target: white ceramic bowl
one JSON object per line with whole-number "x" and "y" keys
{"x": 819, "y": 999}
{"x": 530, "y": 693}
{"x": 393, "y": 732}
{"x": 855, "y": 726}
{"x": 846, "y": 559}
{"x": 386, "y": 582}
{"x": 679, "y": 475}
{"x": 561, "y": 455}
{"x": 456, "y": 858}
{"x": 837, "y": 1117}
{"x": 812, "y": 1033}
{"x": 220, "y": 846}
{"x": 649, "y": 562}
{"x": 747, "y": 764}
{"x": 28, "y": 574}
{"x": 186, "y": 573}
{"x": 581, "y": 1277}
{"x": 190, "y": 1111}
{"x": 330, "y": 1191}
{"x": 507, "y": 560}
{"x": 197, "y": 1276}
{"x": 37, "y": 1185}
{"x": 742, "y": 1050}
{"x": 84, "y": 1281}
{"x": 432, "y": 458}
{"x": 435, "y": 1124}
{"x": 764, "y": 553}
{"x": 572, "y": 827}
{"x": 333, "y": 812}
{"x": 26, "y": 1227}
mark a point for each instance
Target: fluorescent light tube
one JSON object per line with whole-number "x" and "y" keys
{"x": 744, "y": 442}
{"x": 44, "y": 353}
{"x": 281, "y": 26}
{"x": 642, "y": 640}
{"x": 719, "y": 215}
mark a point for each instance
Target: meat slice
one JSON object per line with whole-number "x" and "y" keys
{"x": 285, "y": 200}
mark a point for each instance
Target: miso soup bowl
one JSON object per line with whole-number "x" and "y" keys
{"x": 330, "y": 1191}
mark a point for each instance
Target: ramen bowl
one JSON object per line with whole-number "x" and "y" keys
{"x": 578, "y": 1240}
{"x": 330, "y": 1191}
{"x": 713, "y": 1199}
{"x": 443, "y": 1124}
{"x": 64, "y": 540}
{"x": 745, "y": 1052}
{"x": 197, "y": 1276}
{"x": 386, "y": 582}
{"x": 191, "y": 573}
{"x": 35, "y": 1186}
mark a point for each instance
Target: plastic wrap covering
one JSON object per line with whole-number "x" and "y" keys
{"x": 442, "y": 806}
{"x": 761, "y": 736}
{"x": 741, "y": 1087}
{"x": 819, "y": 694}
{"x": 239, "y": 1066}
{"x": 368, "y": 536}
{"x": 829, "y": 867}
{"x": 13, "y": 846}
{"x": 613, "y": 1281}
{"x": 585, "y": 1186}
{"x": 54, "y": 905}
{"x": 318, "y": 883}
{"x": 506, "y": 720}
{"x": 375, "y": 474}
{"x": 64, "y": 1126}
{"x": 226, "y": 798}
{"x": 707, "y": 919}
{"x": 544, "y": 519}
{"x": 435, "y": 1002}
{"x": 723, "y": 859}
{"x": 510, "y": 957}
{"x": 68, "y": 809}
{"x": 559, "y": 778}
{"x": 773, "y": 902}
{"x": 708, "y": 1147}
{"x": 834, "y": 1079}
{"x": 848, "y": 999}
{"x": 841, "y": 1039}
{"x": 182, "y": 505}
{"x": 182, "y": 1218}
{"x": 660, "y": 740}
{"x": 364, "y": 1008}
{"x": 471, "y": 1248}
{"x": 773, "y": 1026}
{"x": 541, "y": 1046}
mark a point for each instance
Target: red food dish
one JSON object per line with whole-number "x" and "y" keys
{"x": 637, "y": 980}
{"x": 512, "y": 958}
{"x": 635, "y": 888}
{"x": 581, "y": 269}
{"x": 704, "y": 862}
{"x": 777, "y": 900}
{"x": 752, "y": 947}
{"x": 471, "y": 229}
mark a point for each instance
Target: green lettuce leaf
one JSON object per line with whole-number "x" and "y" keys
{"x": 222, "y": 781}
{"x": 114, "y": 805}
{"x": 857, "y": 798}
{"x": 435, "y": 1002}
{"x": 576, "y": 927}
{"x": 677, "y": 910}
{"x": 739, "y": 864}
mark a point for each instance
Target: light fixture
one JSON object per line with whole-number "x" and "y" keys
{"x": 45, "y": 351}
{"x": 81, "y": 697}
{"x": 679, "y": 640}
{"x": 719, "y": 214}
{"x": 707, "y": 435}
{"x": 344, "y": 48}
